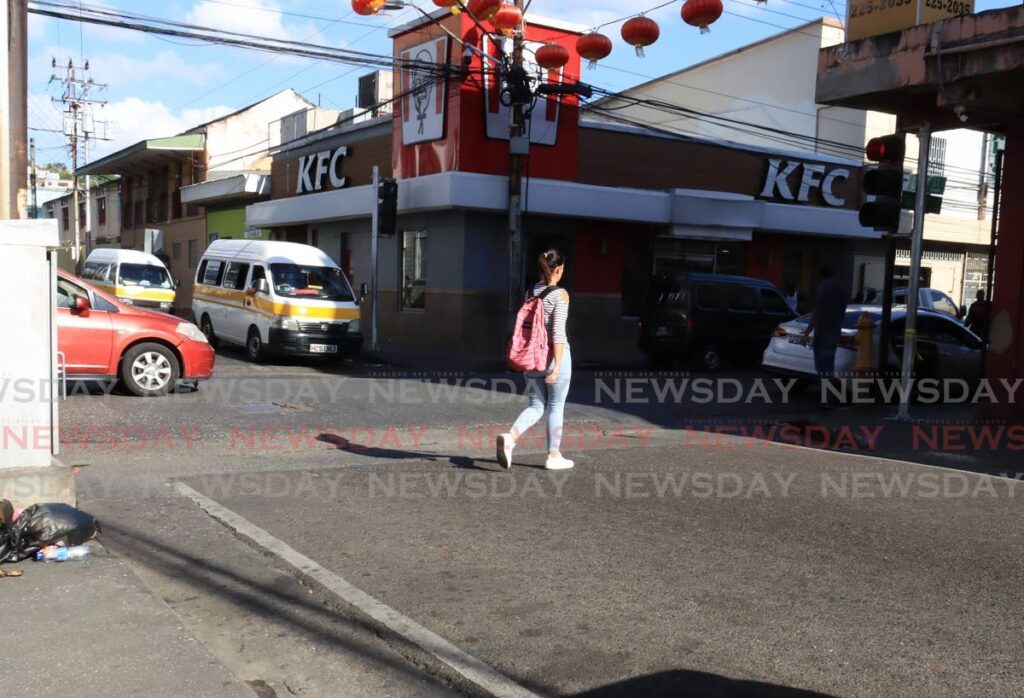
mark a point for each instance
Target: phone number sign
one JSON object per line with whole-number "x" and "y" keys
{"x": 873, "y": 17}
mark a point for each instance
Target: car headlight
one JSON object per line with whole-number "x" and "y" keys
{"x": 166, "y": 306}
{"x": 354, "y": 327}
{"x": 282, "y": 322}
{"x": 187, "y": 329}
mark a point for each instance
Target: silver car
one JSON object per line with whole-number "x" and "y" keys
{"x": 945, "y": 348}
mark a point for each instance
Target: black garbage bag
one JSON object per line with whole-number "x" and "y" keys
{"x": 7, "y": 545}
{"x": 46, "y": 524}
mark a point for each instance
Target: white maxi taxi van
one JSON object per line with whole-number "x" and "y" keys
{"x": 277, "y": 297}
{"x": 135, "y": 278}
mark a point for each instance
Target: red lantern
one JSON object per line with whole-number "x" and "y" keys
{"x": 552, "y": 56}
{"x": 594, "y": 47}
{"x": 454, "y": 5}
{"x": 702, "y": 13}
{"x": 367, "y": 7}
{"x": 507, "y": 19}
{"x": 484, "y": 10}
{"x": 640, "y": 32}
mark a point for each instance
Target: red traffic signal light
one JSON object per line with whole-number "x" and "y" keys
{"x": 890, "y": 149}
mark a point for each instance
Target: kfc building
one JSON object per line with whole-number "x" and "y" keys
{"x": 622, "y": 203}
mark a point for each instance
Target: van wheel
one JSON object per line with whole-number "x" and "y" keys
{"x": 207, "y": 328}
{"x": 254, "y": 345}
{"x": 149, "y": 370}
{"x": 711, "y": 357}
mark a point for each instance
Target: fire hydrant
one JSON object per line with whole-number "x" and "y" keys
{"x": 865, "y": 341}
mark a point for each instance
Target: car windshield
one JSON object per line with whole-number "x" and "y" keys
{"x": 146, "y": 275}
{"x": 302, "y": 281}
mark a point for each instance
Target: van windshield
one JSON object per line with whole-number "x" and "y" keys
{"x": 145, "y": 275}
{"x": 318, "y": 283}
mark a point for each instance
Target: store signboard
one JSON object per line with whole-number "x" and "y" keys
{"x": 866, "y": 18}
{"x": 424, "y": 86}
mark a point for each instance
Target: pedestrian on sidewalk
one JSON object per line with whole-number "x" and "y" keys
{"x": 827, "y": 326}
{"x": 547, "y": 397}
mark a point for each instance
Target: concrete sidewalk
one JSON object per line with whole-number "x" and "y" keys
{"x": 90, "y": 628}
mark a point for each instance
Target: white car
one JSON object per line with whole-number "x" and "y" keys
{"x": 946, "y": 348}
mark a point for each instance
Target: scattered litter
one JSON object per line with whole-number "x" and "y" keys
{"x": 9, "y": 573}
{"x": 58, "y": 553}
{"x": 42, "y": 525}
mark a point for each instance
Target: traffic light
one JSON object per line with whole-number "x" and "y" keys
{"x": 387, "y": 208}
{"x": 884, "y": 183}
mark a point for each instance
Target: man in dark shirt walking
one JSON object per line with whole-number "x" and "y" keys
{"x": 827, "y": 325}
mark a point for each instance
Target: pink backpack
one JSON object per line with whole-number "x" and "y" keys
{"x": 529, "y": 349}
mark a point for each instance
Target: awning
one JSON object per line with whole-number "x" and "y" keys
{"x": 723, "y": 215}
{"x": 146, "y": 156}
{"x": 238, "y": 188}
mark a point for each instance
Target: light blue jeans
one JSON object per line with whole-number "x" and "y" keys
{"x": 549, "y": 399}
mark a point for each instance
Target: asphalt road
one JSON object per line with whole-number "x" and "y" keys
{"x": 670, "y": 562}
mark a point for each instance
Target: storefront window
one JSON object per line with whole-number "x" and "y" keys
{"x": 414, "y": 271}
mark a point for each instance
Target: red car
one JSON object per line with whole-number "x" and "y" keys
{"x": 100, "y": 337}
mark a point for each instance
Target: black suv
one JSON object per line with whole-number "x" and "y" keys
{"x": 704, "y": 318}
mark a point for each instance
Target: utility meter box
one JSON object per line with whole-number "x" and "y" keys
{"x": 29, "y": 380}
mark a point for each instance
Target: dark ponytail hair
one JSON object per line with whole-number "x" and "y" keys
{"x": 548, "y": 262}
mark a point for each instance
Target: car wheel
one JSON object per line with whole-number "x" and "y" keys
{"x": 254, "y": 345}
{"x": 149, "y": 370}
{"x": 207, "y": 328}
{"x": 711, "y": 357}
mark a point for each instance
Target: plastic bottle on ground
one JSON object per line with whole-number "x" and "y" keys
{"x": 55, "y": 553}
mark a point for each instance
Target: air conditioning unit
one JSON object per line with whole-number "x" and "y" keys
{"x": 374, "y": 90}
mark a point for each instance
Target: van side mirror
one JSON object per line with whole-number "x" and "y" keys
{"x": 177, "y": 283}
{"x": 81, "y": 305}
{"x": 262, "y": 286}
{"x": 364, "y": 291}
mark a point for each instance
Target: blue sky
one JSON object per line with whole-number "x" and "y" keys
{"x": 160, "y": 86}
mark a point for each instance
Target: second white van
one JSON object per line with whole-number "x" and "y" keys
{"x": 276, "y": 297}
{"x": 136, "y": 278}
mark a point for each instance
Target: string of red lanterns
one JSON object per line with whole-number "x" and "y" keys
{"x": 506, "y": 17}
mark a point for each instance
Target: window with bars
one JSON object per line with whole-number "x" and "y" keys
{"x": 937, "y": 157}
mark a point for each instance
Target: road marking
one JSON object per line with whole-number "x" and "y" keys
{"x": 469, "y": 667}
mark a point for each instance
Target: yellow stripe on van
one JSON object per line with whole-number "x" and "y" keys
{"x": 264, "y": 306}
{"x": 137, "y": 292}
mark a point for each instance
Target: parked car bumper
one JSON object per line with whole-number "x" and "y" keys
{"x": 198, "y": 359}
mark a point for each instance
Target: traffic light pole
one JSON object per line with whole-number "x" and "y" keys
{"x": 374, "y": 253}
{"x": 924, "y": 137}
{"x": 515, "y": 183}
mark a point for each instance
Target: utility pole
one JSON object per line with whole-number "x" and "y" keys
{"x": 924, "y": 136}
{"x": 14, "y": 109}
{"x": 80, "y": 128}
{"x": 33, "y": 177}
{"x": 519, "y": 146}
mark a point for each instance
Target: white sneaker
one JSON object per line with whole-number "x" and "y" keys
{"x": 505, "y": 445}
{"x": 558, "y": 463}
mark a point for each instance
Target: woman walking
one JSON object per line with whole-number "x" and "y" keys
{"x": 551, "y": 397}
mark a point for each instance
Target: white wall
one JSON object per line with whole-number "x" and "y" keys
{"x": 239, "y": 142}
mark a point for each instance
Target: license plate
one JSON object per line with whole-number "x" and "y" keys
{"x": 663, "y": 332}
{"x": 795, "y": 339}
{"x": 323, "y": 348}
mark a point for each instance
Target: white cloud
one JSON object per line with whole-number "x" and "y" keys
{"x": 259, "y": 17}
{"x": 134, "y": 120}
{"x": 123, "y": 70}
